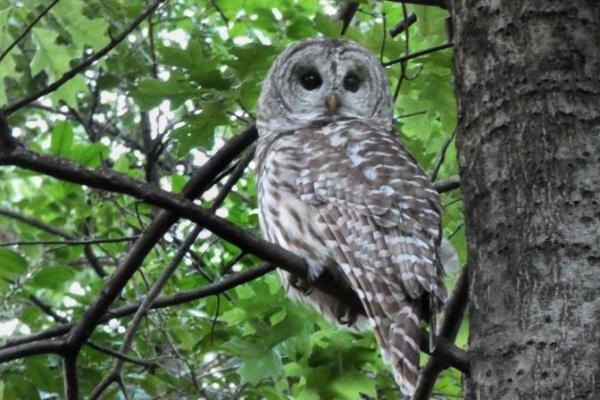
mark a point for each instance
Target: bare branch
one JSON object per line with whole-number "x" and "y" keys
{"x": 121, "y": 356}
{"x": 89, "y": 253}
{"x": 221, "y": 13}
{"x": 36, "y": 223}
{"x": 447, "y": 185}
{"x": 453, "y": 315}
{"x": 79, "y": 242}
{"x": 419, "y": 54}
{"x": 27, "y": 29}
{"x": 71, "y": 380}
{"x": 442, "y": 155}
{"x": 403, "y": 25}
{"x": 32, "y": 349}
{"x": 345, "y": 13}
{"x": 85, "y": 63}
{"x": 435, "y": 3}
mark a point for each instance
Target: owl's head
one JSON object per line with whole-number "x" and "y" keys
{"x": 322, "y": 80}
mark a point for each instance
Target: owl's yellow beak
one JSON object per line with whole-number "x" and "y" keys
{"x": 332, "y": 104}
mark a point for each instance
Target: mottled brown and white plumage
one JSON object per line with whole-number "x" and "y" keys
{"x": 337, "y": 187}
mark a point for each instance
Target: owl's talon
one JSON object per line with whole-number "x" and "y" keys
{"x": 302, "y": 285}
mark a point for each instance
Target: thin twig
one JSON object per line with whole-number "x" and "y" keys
{"x": 382, "y": 49}
{"x": 85, "y": 63}
{"x": 403, "y": 65}
{"x": 419, "y": 54}
{"x": 121, "y": 356}
{"x": 36, "y": 223}
{"x": 221, "y": 13}
{"x": 27, "y": 29}
{"x": 436, "y": 3}
{"x": 76, "y": 242}
{"x": 441, "y": 156}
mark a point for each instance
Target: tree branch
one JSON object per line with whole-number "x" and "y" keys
{"x": 403, "y": 25}
{"x": 447, "y": 185}
{"x": 27, "y": 29}
{"x": 435, "y": 3}
{"x": 88, "y": 252}
{"x": 442, "y": 156}
{"x": 36, "y": 223}
{"x": 71, "y": 380}
{"x": 79, "y": 242}
{"x": 453, "y": 316}
{"x": 85, "y": 63}
{"x": 418, "y": 54}
{"x": 48, "y": 346}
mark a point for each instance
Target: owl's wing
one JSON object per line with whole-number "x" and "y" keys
{"x": 365, "y": 172}
{"x": 381, "y": 219}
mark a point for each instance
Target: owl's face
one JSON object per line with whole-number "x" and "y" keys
{"x": 322, "y": 80}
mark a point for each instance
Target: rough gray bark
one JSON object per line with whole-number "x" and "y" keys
{"x": 528, "y": 88}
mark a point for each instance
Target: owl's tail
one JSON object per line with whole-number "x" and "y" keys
{"x": 401, "y": 349}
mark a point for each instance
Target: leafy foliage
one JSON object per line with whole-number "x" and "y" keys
{"x": 166, "y": 99}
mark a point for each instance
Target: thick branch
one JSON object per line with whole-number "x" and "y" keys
{"x": 32, "y": 349}
{"x": 71, "y": 380}
{"x": 85, "y": 63}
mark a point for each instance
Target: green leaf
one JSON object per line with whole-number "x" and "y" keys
{"x": 69, "y": 90}
{"x": 234, "y": 316}
{"x": 277, "y": 317}
{"x": 41, "y": 376}
{"x": 49, "y": 57}
{"x": 351, "y": 385}
{"x": 151, "y": 92}
{"x": 83, "y": 30}
{"x": 200, "y": 129}
{"x": 254, "y": 369}
{"x": 53, "y": 277}
{"x": 11, "y": 264}
{"x": 62, "y": 139}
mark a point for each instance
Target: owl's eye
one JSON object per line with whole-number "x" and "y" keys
{"x": 352, "y": 82}
{"x": 311, "y": 80}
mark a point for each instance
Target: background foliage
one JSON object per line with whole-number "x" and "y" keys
{"x": 156, "y": 108}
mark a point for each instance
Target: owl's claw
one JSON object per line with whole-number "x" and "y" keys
{"x": 302, "y": 285}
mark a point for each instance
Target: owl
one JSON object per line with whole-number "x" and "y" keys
{"x": 336, "y": 186}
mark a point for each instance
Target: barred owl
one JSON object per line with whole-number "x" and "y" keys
{"x": 336, "y": 186}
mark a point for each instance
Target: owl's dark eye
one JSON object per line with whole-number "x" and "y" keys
{"x": 352, "y": 82}
{"x": 311, "y": 80}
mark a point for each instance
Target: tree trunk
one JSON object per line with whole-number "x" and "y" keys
{"x": 528, "y": 87}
